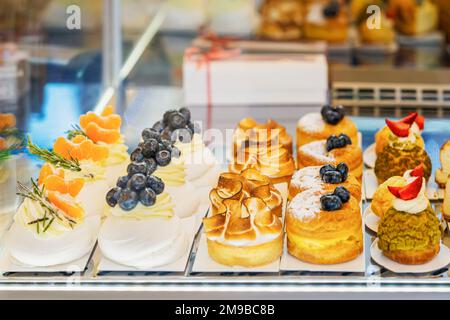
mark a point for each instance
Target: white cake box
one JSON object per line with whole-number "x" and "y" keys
{"x": 300, "y": 79}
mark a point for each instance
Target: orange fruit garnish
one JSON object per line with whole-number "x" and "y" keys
{"x": 2, "y": 144}
{"x": 104, "y": 128}
{"x": 65, "y": 204}
{"x": 7, "y": 120}
{"x": 109, "y": 110}
{"x": 47, "y": 170}
{"x": 80, "y": 148}
{"x": 98, "y": 134}
{"x": 112, "y": 121}
{"x": 55, "y": 183}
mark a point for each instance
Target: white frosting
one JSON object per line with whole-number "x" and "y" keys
{"x": 307, "y": 178}
{"x": 416, "y": 205}
{"x": 92, "y": 197}
{"x": 185, "y": 198}
{"x": 315, "y": 14}
{"x": 114, "y": 171}
{"x": 312, "y": 122}
{"x": 305, "y": 205}
{"x": 412, "y": 137}
{"x": 147, "y": 243}
{"x": 318, "y": 150}
{"x": 30, "y": 249}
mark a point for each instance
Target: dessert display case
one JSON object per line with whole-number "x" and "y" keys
{"x": 142, "y": 78}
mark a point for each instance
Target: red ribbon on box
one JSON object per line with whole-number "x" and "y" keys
{"x": 218, "y": 50}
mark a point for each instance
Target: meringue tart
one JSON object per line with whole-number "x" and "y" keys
{"x": 244, "y": 227}
{"x": 323, "y": 235}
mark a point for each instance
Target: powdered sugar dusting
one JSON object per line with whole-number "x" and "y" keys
{"x": 311, "y": 122}
{"x": 318, "y": 150}
{"x": 305, "y": 205}
{"x": 307, "y": 178}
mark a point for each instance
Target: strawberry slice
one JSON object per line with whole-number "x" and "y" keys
{"x": 400, "y": 129}
{"x": 417, "y": 171}
{"x": 420, "y": 121}
{"x": 410, "y": 118}
{"x": 408, "y": 192}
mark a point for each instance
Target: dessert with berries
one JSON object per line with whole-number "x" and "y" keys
{"x": 50, "y": 227}
{"x": 244, "y": 226}
{"x": 324, "y": 227}
{"x": 410, "y": 232}
{"x": 334, "y": 150}
{"x": 318, "y": 126}
{"x": 403, "y": 152}
{"x": 326, "y": 177}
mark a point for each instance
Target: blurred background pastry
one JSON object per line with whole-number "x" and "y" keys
{"x": 326, "y": 20}
{"x": 282, "y": 19}
{"x": 410, "y": 232}
{"x": 403, "y": 152}
{"x": 443, "y": 173}
{"x": 326, "y": 178}
{"x": 334, "y": 150}
{"x": 318, "y": 126}
{"x": 414, "y": 17}
{"x": 324, "y": 228}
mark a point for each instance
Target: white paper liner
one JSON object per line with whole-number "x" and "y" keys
{"x": 371, "y": 220}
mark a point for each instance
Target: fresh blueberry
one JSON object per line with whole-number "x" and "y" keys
{"x": 343, "y": 169}
{"x": 183, "y": 135}
{"x": 166, "y": 145}
{"x": 147, "y": 197}
{"x": 128, "y": 199}
{"x": 136, "y": 155}
{"x": 332, "y": 9}
{"x": 332, "y": 142}
{"x": 333, "y": 177}
{"x": 195, "y": 127}
{"x": 342, "y": 193}
{"x": 122, "y": 181}
{"x": 166, "y": 134}
{"x": 340, "y": 143}
{"x": 345, "y": 138}
{"x": 163, "y": 158}
{"x": 325, "y": 168}
{"x": 150, "y": 133}
{"x": 177, "y": 121}
{"x": 155, "y": 183}
{"x": 158, "y": 126}
{"x": 341, "y": 110}
{"x": 151, "y": 165}
{"x": 330, "y": 202}
{"x": 150, "y": 148}
{"x": 167, "y": 115}
{"x": 176, "y": 153}
{"x": 137, "y": 182}
{"x": 331, "y": 115}
{"x": 136, "y": 167}
{"x": 186, "y": 113}
{"x": 112, "y": 196}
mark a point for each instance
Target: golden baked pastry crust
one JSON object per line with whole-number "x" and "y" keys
{"x": 330, "y": 237}
{"x": 248, "y": 256}
{"x": 413, "y": 257}
{"x": 345, "y": 126}
{"x": 281, "y": 19}
{"x": 382, "y": 198}
{"x": 382, "y": 139}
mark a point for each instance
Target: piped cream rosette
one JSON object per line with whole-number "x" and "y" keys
{"x": 144, "y": 237}
{"x": 245, "y": 226}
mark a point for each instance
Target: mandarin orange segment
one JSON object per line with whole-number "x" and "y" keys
{"x": 66, "y": 205}
{"x": 84, "y": 149}
{"x": 112, "y": 121}
{"x": 7, "y": 120}
{"x": 2, "y": 144}
{"x": 74, "y": 187}
{"x": 78, "y": 139}
{"x": 98, "y": 134}
{"x": 99, "y": 153}
{"x": 109, "y": 110}
{"x": 47, "y": 170}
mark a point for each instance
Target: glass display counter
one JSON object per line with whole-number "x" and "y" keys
{"x": 147, "y": 82}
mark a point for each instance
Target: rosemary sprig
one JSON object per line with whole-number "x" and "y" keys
{"x": 53, "y": 158}
{"x": 51, "y": 213}
{"x": 75, "y": 131}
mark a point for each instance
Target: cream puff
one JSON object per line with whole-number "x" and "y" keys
{"x": 318, "y": 126}
{"x": 334, "y": 150}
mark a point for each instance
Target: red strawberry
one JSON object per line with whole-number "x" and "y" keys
{"x": 400, "y": 129}
{"x": 420, "y": 121}
{"x": 417, "y": 171}
{"x": 410, "y": 118}
{"x": 408, "y": 192}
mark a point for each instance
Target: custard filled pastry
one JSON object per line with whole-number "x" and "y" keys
{"x": 334, "y": 150}
{"x": 282, "y": 19}
{"x": 324, "y": 228}
{"x": 410, "y": 232}
{"x": 403, "y": 152}
{"x": 443, "y": 173}
{"x": 244, "y": 227}
{"x": 384, "y": 135}
{"x": 326, "y": 178}
{"x": 414, "y": 17}
{"x": 318, "y": 126}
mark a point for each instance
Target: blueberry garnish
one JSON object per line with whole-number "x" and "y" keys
{"x": 167, "y": 116}
{"x": 147, "y": 197}
{"x": 163, "y": 158}
{"x": 332, "y": 115}
{"x": 151, "y": 165}
{"x": 128, "y": 199}
{"x": 166, "y": 134}
{"x": 137, "y": 182}
{"x": 186, "y": 114}
{"x": 136, "y": 167}
{"x": 150, "y": 148}
{"x": 345, "y": 138}
{"x": 325, "y": 168}
{"x": 150, "y": 133}
{"x": 330, "y": 202}
{"x": 136, "y": 155}
{"x": 343, "y": 169}
{"x": 122, "y": 181}
{"x": 336, "y": 142}
{"x": 177, "y": 121}
{"x": 342, "y": 193}
{"x": 155, "y": 183}
{"x": 333, "y": 177}
{"x": 112, "y": 196}
{"x": 332, "y": 9}
{"x": 158, "y": 126}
